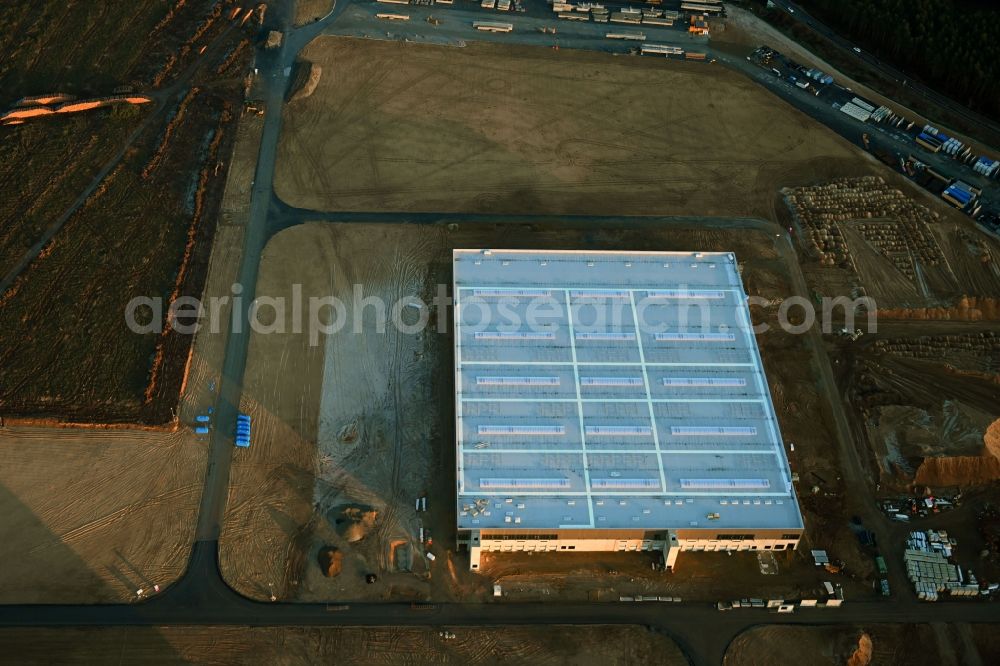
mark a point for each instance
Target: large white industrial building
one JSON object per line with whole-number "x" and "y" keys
{"x": 613, "y": 401}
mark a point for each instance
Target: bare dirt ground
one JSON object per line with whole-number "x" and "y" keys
{"x": 307, "y": 11}
{"x": 142, "y": 229}
{"x": 859, "y": 646}
{"x": 487, "y": 128}
{"x": 271, "y": 485}
{"x": 598, "y": 644}
{"x": 352, "y": 430}
{"x": 91, "y": 516}
{"x": 924, "y": 395}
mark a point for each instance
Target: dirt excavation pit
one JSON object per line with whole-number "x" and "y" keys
{"x": 393, "y": 126}
{"x": 355, "y": 427}
{"x": 929, "y": 405}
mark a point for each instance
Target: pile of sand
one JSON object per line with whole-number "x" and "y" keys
{"x": 331, "y": 561}
{"x": 964, "y": 470}
{"x": 992, "y": 439}
{"x": 354, "y": 522}
{"x": 306, "y": 80}
{"x": 862, "y": 656}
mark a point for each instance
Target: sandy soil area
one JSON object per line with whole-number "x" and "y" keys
{"x": 354, "y": 429}
{"x": 94, "y": 515}
{"x": 860, "y": 646}
{"x": 271, "y": 484}
{"x": 924, "y": 395}
{"x": 307, "y": 11}
{"x": 599, "y": 644}
{"x": 395, "y": 126}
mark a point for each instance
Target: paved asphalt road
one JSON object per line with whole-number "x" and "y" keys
{"x": 202, "y": 597}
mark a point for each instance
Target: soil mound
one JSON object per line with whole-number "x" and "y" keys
{"x": 331, "y": 561}
{"x": 863, "y": 654}
{"x": 992, "y": 439}
{"x": 957, "y": 471}
{"x": 353, "y": 522}
{"x": 307, "y": 76}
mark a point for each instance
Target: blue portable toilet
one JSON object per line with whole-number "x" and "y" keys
{"x": 201, "y": 430}
{"x": 201, "y": 418}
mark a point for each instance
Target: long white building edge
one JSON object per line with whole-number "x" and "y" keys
{"x": 613, "y": 401}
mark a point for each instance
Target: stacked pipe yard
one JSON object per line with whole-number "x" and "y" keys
{"x": 661, "y": 49}
{"x": 586, "y": 11}
{"x": 961, "y": 195}
{"x": 928, "y": 568}
{"x": 821, "y": 209}
{"x": 987, "y": 167}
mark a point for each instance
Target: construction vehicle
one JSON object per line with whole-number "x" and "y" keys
{"x": 853, "y": 336}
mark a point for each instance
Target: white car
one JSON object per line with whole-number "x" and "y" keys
{"x": 857, "y": 50}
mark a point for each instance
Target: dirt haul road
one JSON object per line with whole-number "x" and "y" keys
{"x": 401, "y": 127}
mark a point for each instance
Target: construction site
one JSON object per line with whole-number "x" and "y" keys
{"x": 351, "y": 431}
{"x": 251, "y": 152}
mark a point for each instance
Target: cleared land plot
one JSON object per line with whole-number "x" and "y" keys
{"x": 487, "y": 128}
{"x": 353, "y": 430}
{"x": 143, "y": 229}
{"x": 598, "y": 644}
{"x": 91, "y": 516}
{"x": 307, "y": 11}
{"x": 860, "y": 645}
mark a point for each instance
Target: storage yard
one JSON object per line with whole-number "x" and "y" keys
{"x": 378, "y": 645}
{"x": 870, "y": 238}
{"x": 342, "y": 454}
{"x": 491, "y": 128}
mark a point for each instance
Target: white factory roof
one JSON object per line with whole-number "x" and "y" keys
{"x": 612, "y": 390}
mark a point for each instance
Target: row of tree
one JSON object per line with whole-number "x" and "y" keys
{"x": 951, "y": 45}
